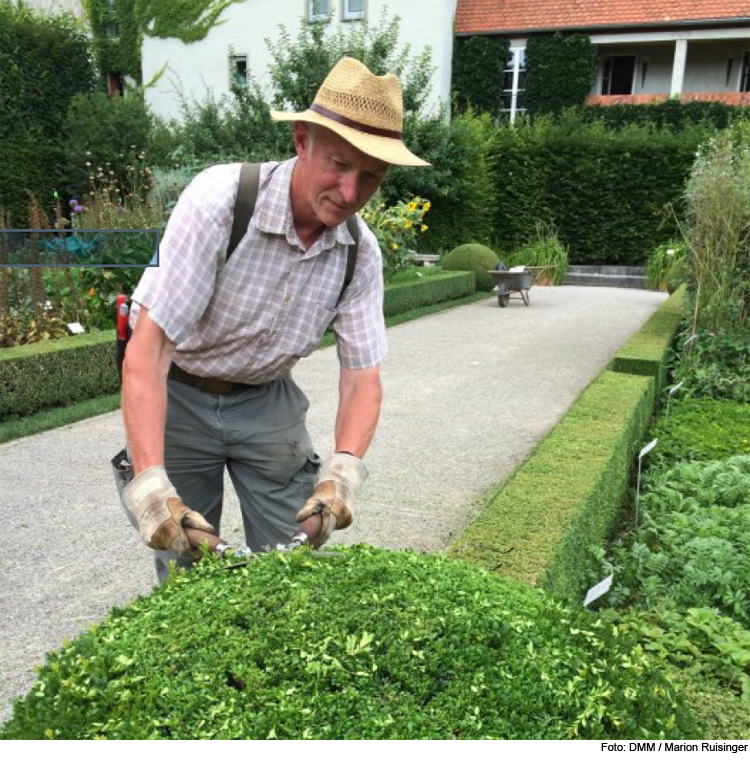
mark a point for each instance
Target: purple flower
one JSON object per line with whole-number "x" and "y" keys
{"x": 77, "y": 208}
{"x": 72, "y": 202}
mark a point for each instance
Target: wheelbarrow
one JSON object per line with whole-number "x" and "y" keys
{"x": 509, "y": 282}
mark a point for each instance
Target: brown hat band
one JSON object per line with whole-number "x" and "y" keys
{"x": 331, "y": 115}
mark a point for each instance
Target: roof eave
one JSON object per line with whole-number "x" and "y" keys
{"x": 596, "y": 27}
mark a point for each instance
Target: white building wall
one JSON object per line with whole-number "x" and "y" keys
{"x": 53, "y": 7}
{"x": 203, "y": 67}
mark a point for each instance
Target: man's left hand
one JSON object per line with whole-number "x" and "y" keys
{"x": 339, "y": 479}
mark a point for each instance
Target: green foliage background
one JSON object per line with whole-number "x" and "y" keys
{"x": 560, "y": 71}
{"x": 477, "y": 74}
{"x": 44, "y": 61}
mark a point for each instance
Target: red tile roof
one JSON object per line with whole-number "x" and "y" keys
{"x": 485, "y": 16}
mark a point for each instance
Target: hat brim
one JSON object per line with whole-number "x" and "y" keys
{"x": 392, "y": 151}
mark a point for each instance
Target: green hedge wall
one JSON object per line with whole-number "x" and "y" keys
{"x": 567, "y": 496}
{"x": 421, "y": 293}
{"x": 671, "y": 114}
{"x": 44, "y": 61}
{"x": 608, "y": 192}
{"x": 478, "y": 64}
{"x": 648, "y": 351}
{"x": 50, "y": 374}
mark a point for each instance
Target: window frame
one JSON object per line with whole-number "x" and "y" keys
{"x": 313, "y": 17}
{"x": 633, "y": 80}
{"x": 233, "y": 58}
{"x": 348, "y": 15}
{"x": 743, "y": 79}
{"x": 513, "y": 110}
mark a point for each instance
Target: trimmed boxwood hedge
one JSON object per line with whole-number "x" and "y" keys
{"x": 647, "y": 352}
{"x": 49, "y": 374}
{"x": 361, "y": 644}
{"x": 62, "y": 372}
{"x": 567, "y": 496}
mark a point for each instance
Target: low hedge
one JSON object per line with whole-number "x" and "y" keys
{"x": 50, "y": 374}
{"x": 361, "y": 644}
{"x": 648, "y": 351}
{"x": 403, "y": 297}
{"x": 62, "y": 372}
{"x": 567, "y": 496}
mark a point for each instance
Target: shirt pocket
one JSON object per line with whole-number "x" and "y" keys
{"x": 299, "y": 326}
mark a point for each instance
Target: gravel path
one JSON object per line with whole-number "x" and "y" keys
{"x": 468, "y": 394}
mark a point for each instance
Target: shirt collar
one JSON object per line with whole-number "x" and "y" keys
{"x": 274, "y": 210}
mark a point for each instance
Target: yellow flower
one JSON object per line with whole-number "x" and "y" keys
{"x": 407, "y": 225}
{"x": 412, "y": 206}
{"x": 426, "y": 207}
{"x": 92, "y": 293}
{"x": 394, "y": 247}
{"x": 424, "y": 228}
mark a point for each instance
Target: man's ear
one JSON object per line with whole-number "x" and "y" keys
{"x": 301, "y": 140}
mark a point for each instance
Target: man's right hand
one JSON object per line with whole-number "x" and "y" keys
{"x": 161, "y": 514}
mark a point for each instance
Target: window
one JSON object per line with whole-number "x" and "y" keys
{"x": 238, "y": 71}
{"x": 745, "y": 76}
{"x": 318, "y": 10}
{"x": 513, "y": 97}
{"x": 353, "y": 9}
{"x": 617, "y": 75}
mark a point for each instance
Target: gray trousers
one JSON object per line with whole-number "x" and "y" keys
{"x": 259, "y": 436}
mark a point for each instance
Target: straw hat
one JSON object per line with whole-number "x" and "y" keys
{"x": 363, "y": 108}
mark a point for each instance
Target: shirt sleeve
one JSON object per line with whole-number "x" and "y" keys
{"x": 191, "y": 253}
{"x": 359, "y": 324}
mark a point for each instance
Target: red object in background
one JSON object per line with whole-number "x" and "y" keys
{"x": 121, "y": 303}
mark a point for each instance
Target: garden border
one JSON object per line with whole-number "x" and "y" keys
{"x": 538, "y": 526}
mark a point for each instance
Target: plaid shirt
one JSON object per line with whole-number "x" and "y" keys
{"x": 250, "y": 319}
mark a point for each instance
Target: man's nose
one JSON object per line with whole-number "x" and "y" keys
{"x": 349, "y": 188}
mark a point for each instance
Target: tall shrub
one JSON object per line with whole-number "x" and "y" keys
{"x": 44, "y": 61}
{"x": 478, "y": 64}
{"x": 718, "y": 235}
{"x": 610, "y": 193}
{"x": 560, "y": 71}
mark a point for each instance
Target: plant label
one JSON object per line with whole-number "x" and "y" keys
{"x": 675, "y": 388}
{"x": 76, "y": 328}
{"x": 647, "y": 449}
{"x": 598, "y": 590}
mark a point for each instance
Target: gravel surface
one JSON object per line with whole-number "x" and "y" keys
{"x": 468, "y": 394}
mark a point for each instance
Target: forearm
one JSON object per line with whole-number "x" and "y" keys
{"x": 144, "y": 394}
{"x": 360, "y": 395}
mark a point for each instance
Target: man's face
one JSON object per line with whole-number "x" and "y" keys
{"x": 335, "y": 178}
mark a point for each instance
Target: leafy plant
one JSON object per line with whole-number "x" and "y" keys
{"x": 701, "y": 429}
{"x": 715, "y": 365}
{"x": 700, "y": 640}
{"x": 545, "y": 249}
{"x": 396, "y": 227}
{"x": 363, "y": 644}
{"x": 692, "y": 548}
{"x": 665, "y": 268}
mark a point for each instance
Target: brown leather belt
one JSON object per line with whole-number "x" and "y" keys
{"x": 208, "y": 385}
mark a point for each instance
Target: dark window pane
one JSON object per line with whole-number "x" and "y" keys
{"x": 507, "y": 80}
{"x": 521, "y": 100}
{"x": 505, "y": 99}
{"x": 521, "y": 79}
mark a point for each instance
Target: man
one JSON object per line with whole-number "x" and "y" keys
{"x": 206, "y": 378}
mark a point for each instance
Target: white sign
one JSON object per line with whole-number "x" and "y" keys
{"x": 647, "y": 449}
{"x": 76, "y": 328}
{"x": 598, "y": 590}
{"x": 675, "y": 388}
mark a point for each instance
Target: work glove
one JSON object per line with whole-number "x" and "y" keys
{"x": 161, "y": 515}
{"x": 340, "y": 477}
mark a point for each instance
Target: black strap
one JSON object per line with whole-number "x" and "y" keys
{"x": 244, "y": 205}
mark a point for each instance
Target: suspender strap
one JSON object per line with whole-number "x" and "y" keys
{"x": 244, "y": 205}
{"x": 351, "y": 255}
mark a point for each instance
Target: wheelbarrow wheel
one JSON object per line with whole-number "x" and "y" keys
{"x": 503, "y": 297}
